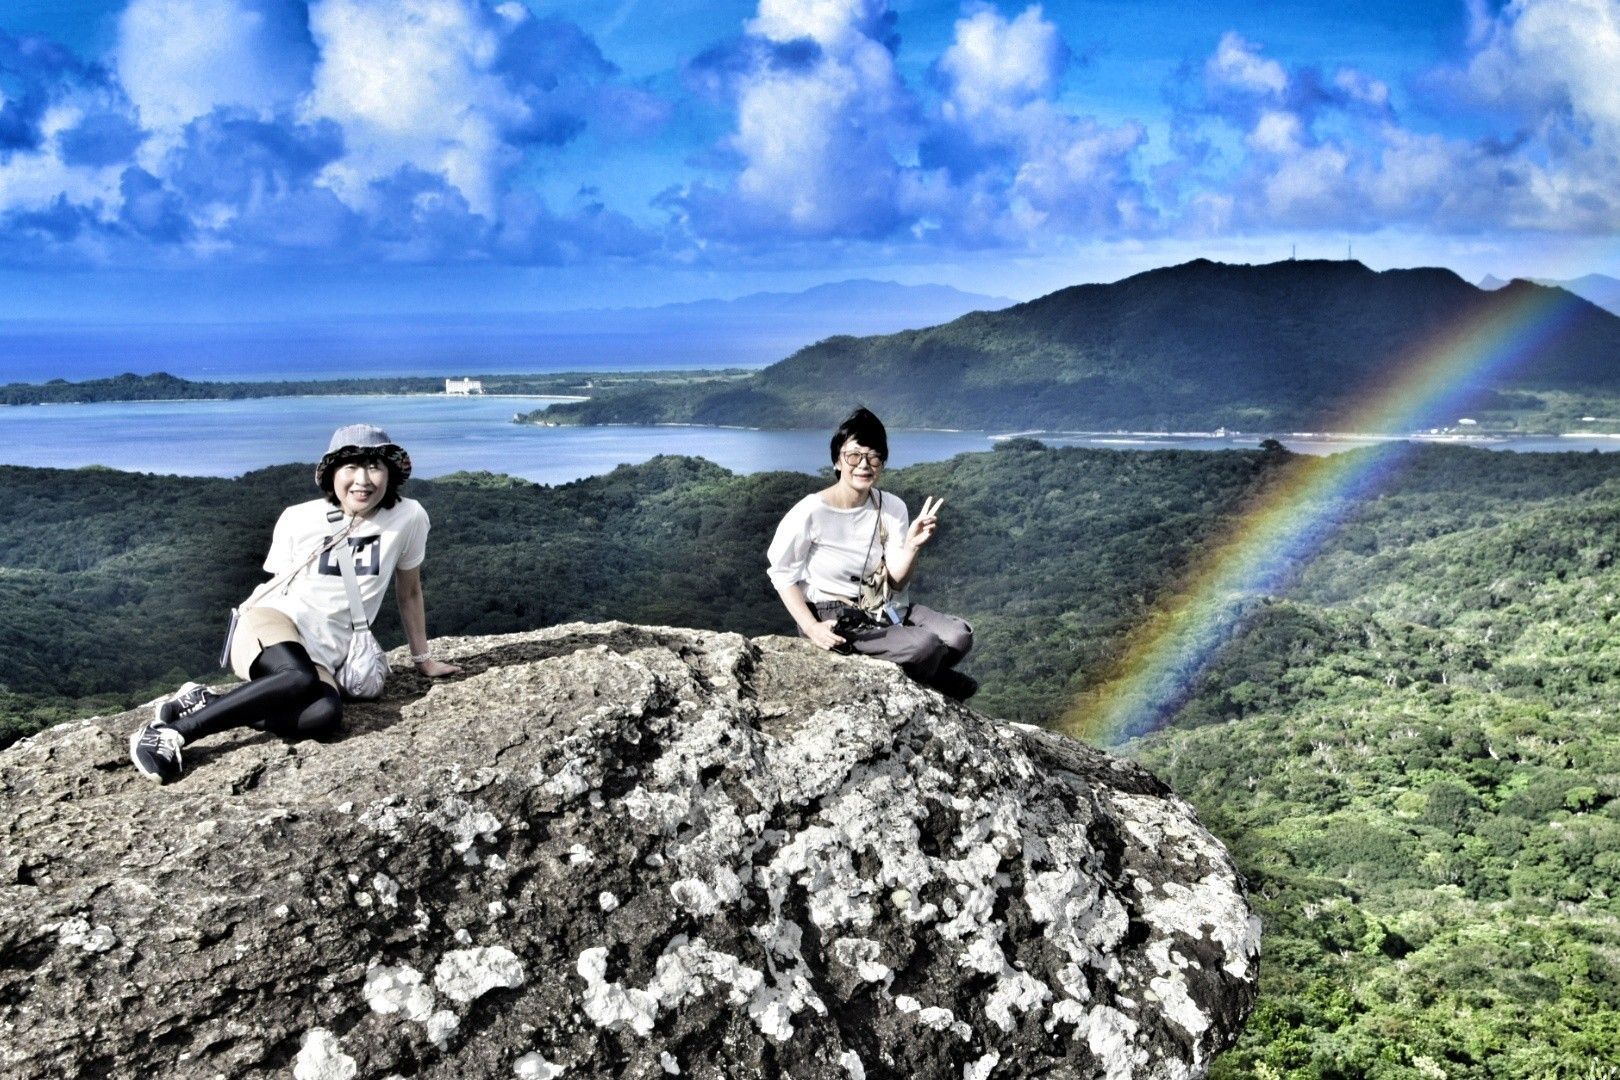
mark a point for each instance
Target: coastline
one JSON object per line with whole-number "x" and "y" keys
{"x": 553, "y": 386}
{"x": 288, "y": 397}
{"x": 1254, "y": 438}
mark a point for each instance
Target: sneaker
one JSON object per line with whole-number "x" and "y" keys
{"x": 155, "y": 750}
{"x": 182, "y": 703}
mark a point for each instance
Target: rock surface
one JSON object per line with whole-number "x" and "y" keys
{"x": 608, "y": 851}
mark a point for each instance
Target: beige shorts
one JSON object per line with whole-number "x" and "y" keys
{"x": 257, "y": 629}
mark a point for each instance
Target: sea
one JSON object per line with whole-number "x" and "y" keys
{"x": 443, "y": 435}
{"x": 476, "y": 433}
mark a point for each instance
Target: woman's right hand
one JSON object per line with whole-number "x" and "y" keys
{"x": 822, "y": 634}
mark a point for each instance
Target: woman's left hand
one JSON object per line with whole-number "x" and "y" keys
{"x": 923, "y": 525}
{"x": 438, "y": 669}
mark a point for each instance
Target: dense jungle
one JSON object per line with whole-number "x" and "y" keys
{"x": 1412, "y": 747}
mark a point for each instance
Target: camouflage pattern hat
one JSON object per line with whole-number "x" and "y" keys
{"x": 361, "y": 441}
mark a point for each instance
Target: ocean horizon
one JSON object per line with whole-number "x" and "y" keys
{"x": 277, "y": 352}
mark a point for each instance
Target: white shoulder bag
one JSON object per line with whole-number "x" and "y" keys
{"x": 365, "y": 669}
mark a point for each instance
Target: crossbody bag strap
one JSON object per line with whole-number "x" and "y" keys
{"x": 880, "y": 535}
{"x": 357, "y": 610}
{"x": 285, "y": 579}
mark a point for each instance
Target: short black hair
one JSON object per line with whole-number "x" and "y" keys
{"x": 395, "y": 481}
{"x": 865, "y": 428}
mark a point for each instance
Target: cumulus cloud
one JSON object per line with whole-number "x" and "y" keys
{"x": 995, "y": 67}
{"x": 1238, "y": 65}
{"x": 417, "y": 129}
{"x": 1331, "y": 152}
{"x": 451, "y": 87}
{"x": 181, "y": 59}
{"x": 393, "y": 127}
{"x": 822, "y": 117}
{"x": 830, "y": 143}
{"x": 63, "y": 123}
{"x": 1005, "y": 141}
{"x": 1557, "y": 53}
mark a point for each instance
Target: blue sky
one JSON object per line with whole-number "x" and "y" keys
{"x": 221, "y": 159}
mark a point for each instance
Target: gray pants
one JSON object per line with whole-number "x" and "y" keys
{"x": 924, "y": 641}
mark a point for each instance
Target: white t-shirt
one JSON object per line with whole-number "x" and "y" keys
{"x": 315, "y": 598}
{"x": 829, "y": 549}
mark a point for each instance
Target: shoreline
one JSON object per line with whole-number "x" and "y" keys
{"x": 555, "y": 386}
{"x": 286, "y": 397}
{"x": 1098, "y": 438}
{"x": 1248, "y": 438}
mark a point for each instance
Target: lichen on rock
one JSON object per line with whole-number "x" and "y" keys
{"x": 617, "y": 851}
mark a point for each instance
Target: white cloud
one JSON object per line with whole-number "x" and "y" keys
{"x": 33, "y": 181}
{"x": 819, "y": 140}
{"x": 179, "y": 59}
{"x": 832, "y": 143}
{"x": 1000, "y": 78}
{"x": 412, "y": 83}
{"x": 1344, "y": 159}
{"x": 1309, "y": 184}
{"x": 832, "y": 24}
{"x": 36, "y": 178}
{"x": 994, "y": 66}
{"x": 364, "y": 126}
{"x": 1276, "y": 132}
{"x": 1360, "y": 87}
{"x": 1237, "y": 64}
{"x": 1541, "y": 52}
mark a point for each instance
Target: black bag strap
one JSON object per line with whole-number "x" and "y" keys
{"x": 880, "y": 535}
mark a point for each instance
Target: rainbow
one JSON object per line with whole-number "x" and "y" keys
{"x": 1288, "y": 520}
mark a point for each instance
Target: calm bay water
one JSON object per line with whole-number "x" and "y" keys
{"x": 445, "y": 435}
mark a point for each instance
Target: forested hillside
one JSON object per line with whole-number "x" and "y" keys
{"x": 1281, "y": 347}
{"x": 1416, "y": 759}
{"x": 1414, "y": 752}
{"x": 114, "y": 584}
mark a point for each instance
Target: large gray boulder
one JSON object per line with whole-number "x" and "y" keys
{"x": 609, "y": 851}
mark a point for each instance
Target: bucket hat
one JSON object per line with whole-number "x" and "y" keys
{"x": 361, "y": 441}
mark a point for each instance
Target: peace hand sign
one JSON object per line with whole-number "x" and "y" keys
{"x": 922, "y": 526}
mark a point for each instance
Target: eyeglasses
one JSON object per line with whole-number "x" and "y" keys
{"x": 855, "y": 457}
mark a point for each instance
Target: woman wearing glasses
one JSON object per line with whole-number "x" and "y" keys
{"x": 840, "y": 552}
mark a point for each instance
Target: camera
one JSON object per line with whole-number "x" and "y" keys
{"x": 851, "y": 621}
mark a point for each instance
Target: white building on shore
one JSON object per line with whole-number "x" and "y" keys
{"x": 463, "y": 386}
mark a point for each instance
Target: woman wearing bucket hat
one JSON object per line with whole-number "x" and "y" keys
{"x": 293, "y": 632}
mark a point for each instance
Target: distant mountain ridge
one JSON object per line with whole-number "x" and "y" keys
{"x": 749, "y": 331}
{"x": 1602, "y": 290}
{"x": 1284, "y": 346}
{"x": 856, "y": 295}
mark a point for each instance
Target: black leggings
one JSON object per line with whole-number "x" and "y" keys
{"x": 285, "y": 696}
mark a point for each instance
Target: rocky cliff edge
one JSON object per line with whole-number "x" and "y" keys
{"x": 613, "y": 850}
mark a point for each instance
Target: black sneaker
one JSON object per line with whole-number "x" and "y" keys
{"x": 155, "y": 750}
{"x": 182, "y": 703}
{"x": 954, "y": 684}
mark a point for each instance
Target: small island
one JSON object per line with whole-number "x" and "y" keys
{"x": 162, "y": 386}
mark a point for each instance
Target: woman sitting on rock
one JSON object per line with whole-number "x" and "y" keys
{"x": 841, "y": 554}
{"x": 293, "y": 632}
